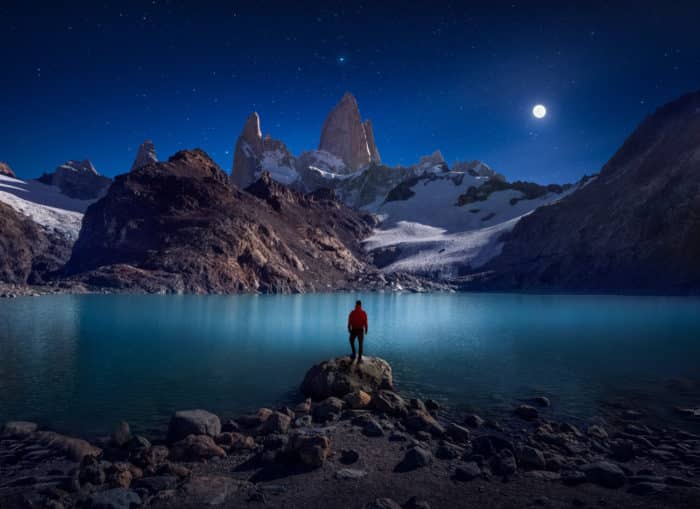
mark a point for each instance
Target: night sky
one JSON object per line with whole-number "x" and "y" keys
{"x": 94, "y": 80}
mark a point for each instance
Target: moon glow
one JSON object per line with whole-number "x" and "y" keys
{"x": 539, "y": 111}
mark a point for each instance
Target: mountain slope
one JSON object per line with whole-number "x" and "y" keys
{"x": 179, "y": 226}
{"x": 634, "y": 228}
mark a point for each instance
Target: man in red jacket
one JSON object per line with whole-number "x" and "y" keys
{"x": 357, "y": 327}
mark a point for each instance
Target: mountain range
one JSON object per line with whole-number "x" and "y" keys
{"x": 327, "y": 218}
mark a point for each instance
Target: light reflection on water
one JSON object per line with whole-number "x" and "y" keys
{"x": 81, "y": 363}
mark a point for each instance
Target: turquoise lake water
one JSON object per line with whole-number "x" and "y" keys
{"x": 81, "y": 363}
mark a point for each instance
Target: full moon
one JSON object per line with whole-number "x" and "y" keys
{"x": 539, "y": 111}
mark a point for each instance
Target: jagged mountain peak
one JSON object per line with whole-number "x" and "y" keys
{"x": 145, "y": 155}
{"x": 6, "y": 170}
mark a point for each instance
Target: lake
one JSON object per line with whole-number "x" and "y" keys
{"x": 80, "y": 363}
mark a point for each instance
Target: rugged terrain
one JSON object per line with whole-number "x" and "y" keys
{"x": 180, "y": 226}
{"x": 357, "y": 443}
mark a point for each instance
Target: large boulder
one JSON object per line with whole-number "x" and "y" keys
{"x": 74, "y": 448}
{"x": 193, "y": 422}
{"x": 338, "y": 377}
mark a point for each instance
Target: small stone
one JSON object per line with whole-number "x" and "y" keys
{"x": 541, "y": 401}
{"x": 275, "y": 442}
{"x": 448, "y": 451}
{"x": 277, "y": 423}
{"x": 304, "y": 407}
{"x": 312, "y": 450}
{"x": 193, "y": 422}
{"x": 303, "y": 422}
{"x": 254, "y": 420}
{"x": 467, "y": 471}
{"x": 529, "y": 457}
{"x": 230, "y": 426}
{"x": 527, "y": 412}
{"x": 473, "y": 421}
{"x": 138, "y": 444}
{"x": 390, "y": 403}
{"x": 597, "y": 431}
{"x": 91, "y": 471}
{"x": 350, "y": 474}
{"x": 414, "y": 458}
{"x": 349, "y": 456}
{"x": 421, "y": 421}
{"x": 372, "y": 428}
{"x": 432, "y": 405}
{"x": 328, "y": 410}
{"x": 504, "y": 463}
{"x": 573, "y": 477}
{"x": 121, "y": 434}
{"x": 358, "y": 399}
{"x": 196, "y": 448}
{"x": 604, "y": 473}
{"x": 458, "y": 433}
{"x": 156, "y": 483}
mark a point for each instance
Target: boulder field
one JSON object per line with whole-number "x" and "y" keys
{"x": 354, "y": 441}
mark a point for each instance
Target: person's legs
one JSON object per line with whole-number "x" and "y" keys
{"x": 352, "y": 344}
{"x": 360, "y": 340}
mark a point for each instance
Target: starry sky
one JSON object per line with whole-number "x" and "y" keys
{"x": 94, "y": 79}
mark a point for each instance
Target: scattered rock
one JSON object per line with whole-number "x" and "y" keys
{"x": 74, "y": 448}
{"x": 473, "y": 421}
{"x": 573, "y": 477}
{"x": 196, "y": 448}
{"x": 432, "y": 405}
{"x": 414, "y": 458}
{"x": 349, "y": 456}
{"x": 358, "y": 399}
{"x": 541, "y": 401}
{"x": 503, "y": 463}
{"x": 597, "y": 431}
{"x": 156, "y": 483}
{"x": 193, "y": 422}
{"x": 420, "y": 421}
{"x": 529, "y": 457}
{"x": 372, "y": 428}
{"x": 277, "y": 423}
{"x": 235, "y": 441}
{"x": 449, "y": 451}
{"x": 304, "y": 407}
{"x": 604, "y": 473}
{"x": 415, "y": 503}
{"x": 91, "y": 472}
{"x": 121, "y": 434}
{"x": 328, "y": 410}
{"x": 467, "y": 471}
{"x": 527, "y": 412}
{"x": 458, "y": 433}
{"x": 312, "y": 450}
{"x": 390, "y": 403}
{"x": 350, "y": 474}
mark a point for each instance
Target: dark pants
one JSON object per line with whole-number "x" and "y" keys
{"x": 360, "y": 335}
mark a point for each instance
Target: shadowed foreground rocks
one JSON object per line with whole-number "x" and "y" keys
{"x": 356, "y": 444}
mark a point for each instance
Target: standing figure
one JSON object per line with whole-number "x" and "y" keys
{"x": 357, "y": 327}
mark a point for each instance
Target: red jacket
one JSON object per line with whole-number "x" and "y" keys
{"x": 357, "y": 319}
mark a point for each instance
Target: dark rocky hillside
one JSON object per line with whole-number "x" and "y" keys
{"x": 28, "y": 254}
{"x": 180, "y": 226}
{"x": 636, "y": 227}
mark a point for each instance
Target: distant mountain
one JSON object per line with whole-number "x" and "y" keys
{"x": 145, "y": 155}
{"x": 636, "y": 227}
{"x": 77, "y": 179}
{"x": 180, "y": 226}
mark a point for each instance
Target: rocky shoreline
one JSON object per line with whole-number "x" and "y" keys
{"x": 356, "y": 442}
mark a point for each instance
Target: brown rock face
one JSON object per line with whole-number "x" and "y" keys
{"x": 6, "y": 170}
{"x": 249, "y": 149}
{"x": 344, "y": 134}
{"x": 636, "y": 227}
{"x": 179, "y": 226}
{"x": 146, "y": 155}
{"x": 28, "y": 254}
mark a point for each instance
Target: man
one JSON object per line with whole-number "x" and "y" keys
{"x": 357, "y": 327}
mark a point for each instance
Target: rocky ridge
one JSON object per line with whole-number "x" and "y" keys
{"x": 77, "y": 179}
{"x": 179, "y": 226}
{"x": 145, "y": 155}
{"x": 356, "y": 442}
{"x": 6, "y": 170}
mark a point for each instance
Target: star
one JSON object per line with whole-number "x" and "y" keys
{"x": 341, "y": 59}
